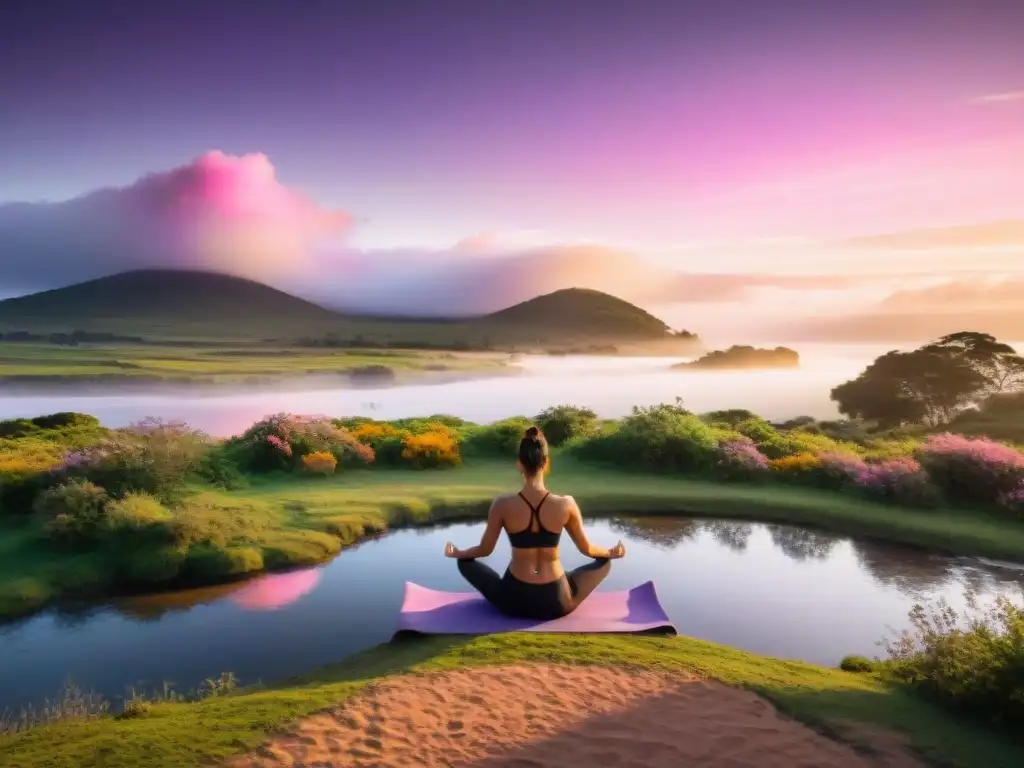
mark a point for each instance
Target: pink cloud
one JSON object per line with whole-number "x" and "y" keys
{"x": 220, "y": 212}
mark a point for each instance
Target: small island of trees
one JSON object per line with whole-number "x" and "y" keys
{"x": 741, "y": 357}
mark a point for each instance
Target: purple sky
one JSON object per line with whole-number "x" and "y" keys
{"x": 695, "y": 133}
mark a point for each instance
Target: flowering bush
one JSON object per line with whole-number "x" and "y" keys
{"x": 152, "y": 456}
{"x": 800, "y": 468}
{"x": 839, "y": 471}
{"x": 431, "y": 449}
{"x": 739, "y": 460}
{"x": 27, "y": 467}
{"x": 372, "y": 432}
{"x": 900, "y": 481}
{"x": 975, "y": 470}
{"x": 319, "y": 463}
{"x": 281, "y": 441}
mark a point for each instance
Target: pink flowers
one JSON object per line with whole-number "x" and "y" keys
{"x": 975, "y": 470}
{"x": 278, "y": 444}
{"x": 739, "y": 460}
{"x": 898, "y": 480}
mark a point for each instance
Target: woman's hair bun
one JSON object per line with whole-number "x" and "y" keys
{"x": 533, "y": 432}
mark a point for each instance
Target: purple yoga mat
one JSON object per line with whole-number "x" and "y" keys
{"x": 429, "y": 612}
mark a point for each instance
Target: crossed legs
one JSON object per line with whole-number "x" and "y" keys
{"x": 582, "y": 580}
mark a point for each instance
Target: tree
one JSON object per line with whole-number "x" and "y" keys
{"x": 929, "y": 386}
{"x": 999, "y": 363}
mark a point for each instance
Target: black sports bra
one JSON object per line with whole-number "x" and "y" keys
{"x": 542, "y": 537}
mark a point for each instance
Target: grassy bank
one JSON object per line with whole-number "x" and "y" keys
{"x": 212, "y": 363}
{"x": 282, "y": 521}
{"x": 194, "y": 734}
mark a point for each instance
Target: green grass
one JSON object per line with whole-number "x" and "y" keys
{"x": 217, "y": 363}
{"x": 292, "y": 522}
{"x": 194, "y": 734}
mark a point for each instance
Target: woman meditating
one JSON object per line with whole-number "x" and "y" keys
{"x": 535, "y": 586}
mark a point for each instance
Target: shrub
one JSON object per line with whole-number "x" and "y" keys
{"x": 136, "y": 517}
{"x": 900, "y": 481}
{"x": 839, "y": 471}
{"x": 730, "y": 417}
{"x": 73, "y": 512}
{"x": 972, "y": 664}
{"x": 498, "y": 439}
{"x": 279, "y": 442}
{"x": 565, "y": 422}
{"x": 319, "y": 463}
{"x": 218, "y": 467}
{"x": 152, "y": 456}
{"x": 431, "y": 449}
{"x": 975, "y": 470}
{"x": 1013, "y": 501}
{"x": 740, "y": 461}
{"x": 859, "y": 664}
{"x": 758, "y": 430}
{"x": 799, "y": 468}
{"x": 662, "y": 437}
{"x": 28, "y": 466}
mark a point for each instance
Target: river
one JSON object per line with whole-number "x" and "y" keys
{"x": 610, "y": 385}
{"x": 773, "y": 590}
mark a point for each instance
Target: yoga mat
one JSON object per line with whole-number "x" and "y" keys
{"x": 429, "y": 612}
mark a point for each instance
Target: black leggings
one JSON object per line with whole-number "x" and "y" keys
{"x": 525, "y": 600}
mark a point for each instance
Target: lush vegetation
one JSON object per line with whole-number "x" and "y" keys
{"x": 86, "y": 510}
{"x": 212, "y": 727}
{"x": 744, "y": 357}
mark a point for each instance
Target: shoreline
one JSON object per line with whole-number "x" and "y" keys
{"x": 858, "y": 713}
{"x": 392, "y": 499}
{"x": 135, "y": 386}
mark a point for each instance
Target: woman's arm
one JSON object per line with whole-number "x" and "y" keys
{"x": 487, "y": 541}
{"x": 574, "y": 526}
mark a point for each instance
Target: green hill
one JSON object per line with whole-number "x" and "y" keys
{"x": 579, "y": 313}
{"x": 186, "y": 305}
{"x": 161, "y": 295}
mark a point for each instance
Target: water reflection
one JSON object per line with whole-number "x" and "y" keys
{"x": 730, "y": 534}
{"x": 770, "y": 589}
{"x": 658, "y": 531}
{"x": 802, "y": 544}
{"x": 274, "y": 591}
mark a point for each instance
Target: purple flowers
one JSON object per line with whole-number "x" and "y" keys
{"x": 278, "y": 444}
{"x": 738, "y": 460}
{"x": 901, "y": 481}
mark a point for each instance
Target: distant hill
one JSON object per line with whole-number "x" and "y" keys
{"x": 580, "y": 312}
{"x": 183, "y": 304}
{"x": 161, "y": 293}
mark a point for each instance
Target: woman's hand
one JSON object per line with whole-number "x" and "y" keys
{"x": 619, "y": 550}
{"x": 450, "y": 550}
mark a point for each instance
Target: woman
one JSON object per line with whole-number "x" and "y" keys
{"x": 535, "y": 586}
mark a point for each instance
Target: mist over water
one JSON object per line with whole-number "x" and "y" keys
{"x": 610, "y": 385}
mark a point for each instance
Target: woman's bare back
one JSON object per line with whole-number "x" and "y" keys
{"x": 536, "y": 565}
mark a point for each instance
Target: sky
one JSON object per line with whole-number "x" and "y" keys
{"x": 707, "y": 159}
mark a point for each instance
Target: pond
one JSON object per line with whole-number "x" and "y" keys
{"x": 614, "y": 385}
{"x": 774, "y": 590}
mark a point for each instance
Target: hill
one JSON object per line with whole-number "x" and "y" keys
{"x": 184, "y": 305}
{"x": 161, "y": 294}
{"x": 579, "y": 312}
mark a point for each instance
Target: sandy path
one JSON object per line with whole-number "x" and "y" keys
{"x": 543, "y": 716}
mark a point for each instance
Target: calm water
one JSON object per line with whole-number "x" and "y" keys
{"x": 773, "y": 590}
{"x": 613, "y": 386}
